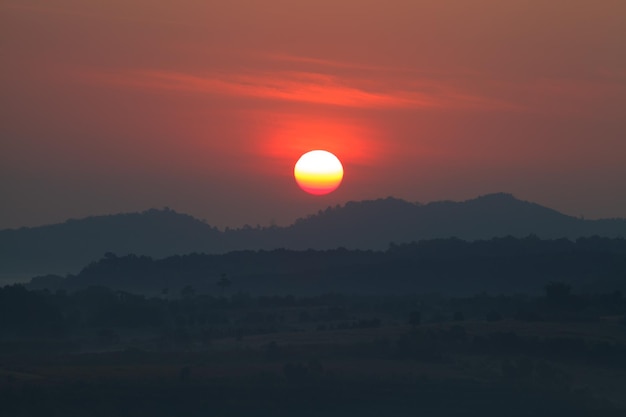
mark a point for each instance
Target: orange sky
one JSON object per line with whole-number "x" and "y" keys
{"x": 111, "y": 106}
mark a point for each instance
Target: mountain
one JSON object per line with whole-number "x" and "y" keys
{"x": 68, "y": 246}
{"x": 376, "y": 223}
{"x": 373, "y": 224}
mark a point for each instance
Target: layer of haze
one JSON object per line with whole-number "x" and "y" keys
{"x": 204, "y": 106}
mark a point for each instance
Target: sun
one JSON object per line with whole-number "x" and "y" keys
{"x": 318, "y": 172}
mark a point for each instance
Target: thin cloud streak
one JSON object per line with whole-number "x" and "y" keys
{"x": 338, "y": 64}
{"x": 305, "y": 87}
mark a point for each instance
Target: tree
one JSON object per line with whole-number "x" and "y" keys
{"x": 295, "y": 372}
{"x": 493, "y": 315}
{"x": 415, "y": 318}
{"x": 558, "y": 291}
{"x": 224, "y": 282}
{"x": 188, "y": 292}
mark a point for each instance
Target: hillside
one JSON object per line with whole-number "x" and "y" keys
{"x": 67, "y": 246}
{"x": 448, "y": 266}
{"x": 374, "y": 224}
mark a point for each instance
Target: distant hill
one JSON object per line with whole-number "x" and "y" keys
{"x": 66, "y": 247}
{"x": 448, "y": 266}
{"x": 373, "y": 224}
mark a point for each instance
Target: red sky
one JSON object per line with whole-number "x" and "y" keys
{"x": 204, "y": 106}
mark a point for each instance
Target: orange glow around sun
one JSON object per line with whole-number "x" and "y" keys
{"x": 318, "y": 172}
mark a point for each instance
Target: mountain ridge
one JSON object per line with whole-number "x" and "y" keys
{"x": 370, "y": 224}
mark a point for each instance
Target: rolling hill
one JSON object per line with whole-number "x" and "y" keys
{"x": 374, "y": 224}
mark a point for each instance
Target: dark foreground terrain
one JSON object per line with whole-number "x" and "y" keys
{"x": 100, "y": 352}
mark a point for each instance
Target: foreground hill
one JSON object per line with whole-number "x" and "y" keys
{"x": 332, "y": 355}
{"x": 449, "y": 266}
{"x": 364, "y": 225}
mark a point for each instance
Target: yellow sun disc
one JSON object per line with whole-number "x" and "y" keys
{"x": 318, "y": 172}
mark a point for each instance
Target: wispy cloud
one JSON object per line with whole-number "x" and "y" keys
{"x": 304, "y": 87}
{"x": 350, "y": 65}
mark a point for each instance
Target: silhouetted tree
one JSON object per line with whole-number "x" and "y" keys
{"x": 295, "y": 372}
{"x": 184, "y": 374}
{"x": 493, "y": 316}
{"x": 415, "y": 318}
{"x": 188, "y": 292}
{"x": 272, "y": 351}
{"x": 559, "y": 295}
{"x": 224, "y": 282}
{"x": 557, "y": 292}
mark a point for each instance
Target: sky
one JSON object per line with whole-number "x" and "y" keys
{"x": 112, "y": 106}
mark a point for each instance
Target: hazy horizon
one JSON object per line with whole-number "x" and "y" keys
{"x": 203, "y": 107}
{"x": 290, "y": 222}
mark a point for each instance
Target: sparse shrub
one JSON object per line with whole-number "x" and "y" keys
{"x": 415, "y": 318}
{"x": 493, "y": 316}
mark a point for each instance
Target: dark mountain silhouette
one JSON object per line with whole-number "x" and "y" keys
{"x": 449, "y": 266}
{"x": 362, "y": 225}
{"x": 64, "y": 247}
{"x": 373, "y": 224}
